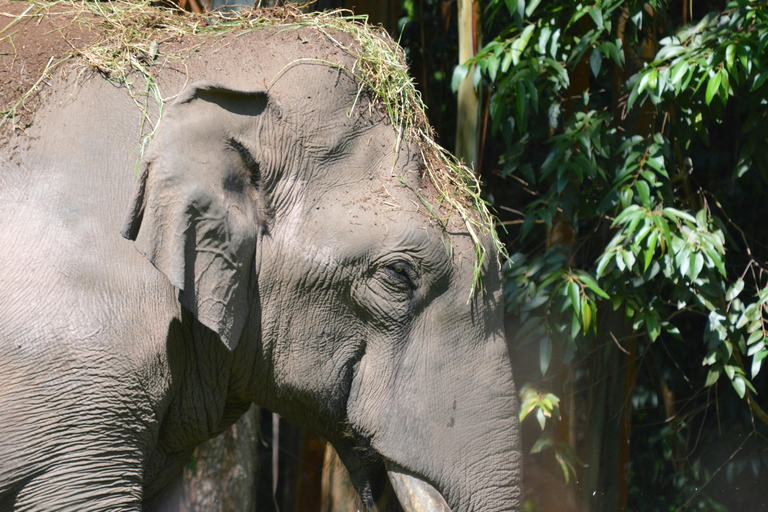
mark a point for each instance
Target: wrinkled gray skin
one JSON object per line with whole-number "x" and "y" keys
{"x": 278, "y": 259}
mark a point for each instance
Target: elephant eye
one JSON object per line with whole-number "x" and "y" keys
{"x": 400, "y": 271}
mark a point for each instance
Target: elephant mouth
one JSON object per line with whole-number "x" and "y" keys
{"x": 413, "y": 493}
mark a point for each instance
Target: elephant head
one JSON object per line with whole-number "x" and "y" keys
{"x": 299, "y": 222}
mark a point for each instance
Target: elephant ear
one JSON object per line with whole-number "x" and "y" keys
{"x": 196, "y": 210}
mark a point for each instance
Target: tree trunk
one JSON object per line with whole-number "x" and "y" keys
{"x": 338, "y": 493}
{"x": 223, "y": 473}
{"x": 468, "y": 111}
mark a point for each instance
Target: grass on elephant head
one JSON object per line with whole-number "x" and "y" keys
{"x": 130, "y": 39}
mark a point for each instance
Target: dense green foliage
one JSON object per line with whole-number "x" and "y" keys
{"x": 633, "y": 166}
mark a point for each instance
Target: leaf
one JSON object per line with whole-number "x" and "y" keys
{"x": 541, "y": 45}
{"x": 493, "y": 63}
{"x": 511, "y": 6}
{"x": 730, "y": 55}
{"x": 565, "y": 465}
{"x": 518, "y": 46}
{"x": 760, "y": 80}
{"x": 678, "y": 73}
{"x": 740, "y": 385}
{"x": 644, "y": 192}
{"x": 459, "y": 74}
{"x": 573, "y": 294}
{"x": 595, "y": 61}
{"x": 597, "y": 16}
{"x": 602, "y": 263}
{"x": 653, "y": 327}
{"x": 645, "y": 79}
{"x": 531, "y": 7}
{"x": 633, "y": 94}
{"x": 545, "y": 354}
{"x": 713, "y": 86}
{"x": 756, "y": 365}
{"x": 712, "y": 377}
{"x": 590, "y": 283}
{"x": 506, "y": 60}
{"x": 668, "y": 52}
{"x": 734, "y": 290}
{"x": 544, "y": 442}
{"x": 673, "y": 214}
{"x": 629, "y": 213}
{"x": 554, "y": 46}
{"x": 586, "y": 315}
{"x": 697, "y": 264}
{"x": 650, "y": 251}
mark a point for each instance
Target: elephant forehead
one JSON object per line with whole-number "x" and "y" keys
{"x": 365, "y": 227}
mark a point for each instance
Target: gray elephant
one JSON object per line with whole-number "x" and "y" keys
{"x": 292, "y": 239}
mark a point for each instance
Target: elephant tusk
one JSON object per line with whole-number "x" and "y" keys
{"x": 414, "y": 494}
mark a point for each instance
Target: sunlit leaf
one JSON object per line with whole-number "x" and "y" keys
{"x": 713, "y": 86}
{"x": 740, "y": 385}
{"x": 544, "y": 442}
{"x": 459, "y": 74}
{"x": 735, "y": 290}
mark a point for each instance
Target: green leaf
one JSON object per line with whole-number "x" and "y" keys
{"x": 697, "y": 264}
{"x": 518, "y": 46}
{"x": 734, "y": 290}
{"x": 511, "y": 6}
{"x": 756, "y": 365}
{"x": 644, "y": 192}
{"x": 575, "y": 326}
{"x": 755, "y": 336}
{"x": 595, "y": 61}
{"x": 591, "y": 284}
{"x": 532, "y": 4}
{"x": 506, "y": 60}
{"x": 545, "y": 354}
{"x": 668, "y": 52}
{"x": 648, "y": 78}
{"x": 597, "y": 16}
{"x": 554, "y": 46}
{"x": 713, "y": 86}
{"x": 633, "y": 94}
{"x": 602, "y": 263}
{"x": 650, "y": 251}
{"x": 493, "y": 63}
{"x": 573, "y": 294}
{"x": 459, "y": 74}
{"x": 565, "y": 465}
{"x": 712, "y": 377}
{"x": 673, "y": 214}
{"x": 754, "y": 349}
{"x": 730, "y": 55}
{"x": 653, "y": 327}
{"x": 678, "y": 74}
{"x": 586, "y": 315}
{"x": 544, "y": 442}
{"x": 759, "y": 80}
{"x": 740, "y": 385}
{"x": 627, "y": 214}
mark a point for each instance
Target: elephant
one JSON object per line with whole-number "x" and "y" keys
{"x": 238, "y": 217}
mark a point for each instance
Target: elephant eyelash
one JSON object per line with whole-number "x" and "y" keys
{"x": 250, "y": 164}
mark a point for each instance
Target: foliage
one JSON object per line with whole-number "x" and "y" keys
{"x": 640, "y": 164}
